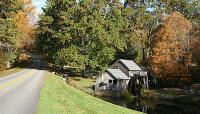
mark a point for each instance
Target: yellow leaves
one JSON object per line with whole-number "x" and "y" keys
{"x": 28, "y": 6}
{"x": 23, "y": 21}
{"x": 31, "y": 10}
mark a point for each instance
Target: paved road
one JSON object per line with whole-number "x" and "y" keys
{"x": 19, "y": 92}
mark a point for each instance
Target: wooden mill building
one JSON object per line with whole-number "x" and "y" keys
{"x": 120, "y": 75}
{"x": 112, "y": 79}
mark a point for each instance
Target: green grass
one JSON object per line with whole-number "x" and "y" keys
{"x": 10, "y": 71}
{"x": 84, "y": 84}
{"x": 59, "y": 98}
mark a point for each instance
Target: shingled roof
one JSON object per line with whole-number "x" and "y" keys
{"x": 130, "y": 64}
{"x": 118, "y": 74}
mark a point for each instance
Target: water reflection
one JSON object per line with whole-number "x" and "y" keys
{"x": 150, "y": 106}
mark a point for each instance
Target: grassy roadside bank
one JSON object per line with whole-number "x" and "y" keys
{"x": 83, "y": 84}
{"x": 59, "y": 98}
{"x": 9, "y": 71}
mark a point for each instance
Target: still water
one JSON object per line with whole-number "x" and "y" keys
{"x": 150, "y": 106}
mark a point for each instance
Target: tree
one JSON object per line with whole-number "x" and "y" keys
{"x": 145, "y": 18}
{"x": 14, "y": 24}
{"x": 55, "y": 26}
{"x": 107, "y": 33}
{"x": 195, "y": 47}
{"x": 8, "y": 32}
{"x": 187, "y": 8}
{"x": 70, "y": 56}
{"x": 143, "y": 25}
{"x": 23, "y": 22}
{"x": 91, "y": 26}
{"x": 8, "y": 8}
{"x": 171, "y": 54}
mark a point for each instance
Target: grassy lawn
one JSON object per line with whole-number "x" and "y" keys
{"x": 10, "y": 71}
{"x": 84, "y": 84}
{"x": 59, "y": 98}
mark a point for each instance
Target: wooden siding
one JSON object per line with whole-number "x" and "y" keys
{"x": 102, "y": 83}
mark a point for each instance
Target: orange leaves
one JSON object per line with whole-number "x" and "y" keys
{"x": 171, "y": 55}
{"x": 178, "y": 24}
{"x": 175, "y": 25}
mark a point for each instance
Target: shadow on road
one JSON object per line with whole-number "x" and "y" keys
{"x": 34, "y": 62}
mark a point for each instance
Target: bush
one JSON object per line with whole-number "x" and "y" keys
{"x": 2, "y": 60}
{"x": 126, "y": 95}
{"x": 6, "y": 59}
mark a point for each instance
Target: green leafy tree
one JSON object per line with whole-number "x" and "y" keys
{"x": 142, "y": 27}
{"x": 71, "y": 57}
{"x": 9, "y": 32}
{"x": 55, "y": 26}
{"x": 91, "y": 26}
{"x": 188, "y": 8}
{"x": 103, "y": 29}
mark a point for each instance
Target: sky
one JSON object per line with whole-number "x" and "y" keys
{"x": 39, "y": 4}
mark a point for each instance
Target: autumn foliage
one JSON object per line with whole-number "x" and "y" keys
{"x": 171, "y": 55}
{"x": 24, "y": 25}
{"x": 15, "y": 29}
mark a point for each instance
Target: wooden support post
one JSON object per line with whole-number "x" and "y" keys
{"x": 147, "y": 81}
{"x": 144, "y": 80}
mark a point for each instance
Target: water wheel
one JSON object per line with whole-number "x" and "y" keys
{"x": 135, "y": 85}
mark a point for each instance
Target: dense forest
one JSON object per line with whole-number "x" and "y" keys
{"x": 161, "y": 35}
{"x": 16, "y": 31}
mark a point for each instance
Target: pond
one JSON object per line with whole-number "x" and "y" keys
{"x": 150, "y": 106}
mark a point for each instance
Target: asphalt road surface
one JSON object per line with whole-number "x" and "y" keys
{"x": 19, "y": 92}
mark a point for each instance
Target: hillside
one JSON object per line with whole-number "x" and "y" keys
{"x": 59, "y": 98}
